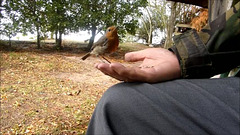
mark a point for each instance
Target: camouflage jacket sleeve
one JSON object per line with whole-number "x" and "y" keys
{"x": 214, "y": 50}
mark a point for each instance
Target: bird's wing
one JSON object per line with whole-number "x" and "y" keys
{"x": 101, "y": 42}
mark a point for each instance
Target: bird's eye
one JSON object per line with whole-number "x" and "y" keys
{"x": 109, "y": 30}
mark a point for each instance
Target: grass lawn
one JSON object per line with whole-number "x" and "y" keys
{"x": 51, "y": 92}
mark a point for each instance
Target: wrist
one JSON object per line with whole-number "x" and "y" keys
{"x": 174, "y": 51}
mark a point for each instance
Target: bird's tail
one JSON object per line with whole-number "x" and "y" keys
{"x": 86, "y": 56}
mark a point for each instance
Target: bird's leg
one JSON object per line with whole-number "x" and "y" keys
{"x": 101, "y": 58}
{"x": 106, "y": 59}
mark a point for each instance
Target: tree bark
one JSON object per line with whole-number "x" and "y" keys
{"x": 150, "y": 38}
{"x": 37, "y": 22}
{"x": 56, "y": 36}
{"x": 9, "y": 42}
{"x": 149, "y": 32}
{"x": 58, "y": 40}
{"x": 170, "y": 25}
{"x": 91, "y": 41}
{"x": 52, "y": 33}
{"x": 38, "y": 38}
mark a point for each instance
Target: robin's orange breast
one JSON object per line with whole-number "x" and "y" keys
{"x": 113, "y": 45}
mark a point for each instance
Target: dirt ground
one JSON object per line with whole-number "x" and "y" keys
{"x": 51, "y": 92}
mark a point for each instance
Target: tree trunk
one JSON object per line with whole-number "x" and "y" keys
{"x": 59, "y": 41}
{"x": 150, "y": 27}
{"x": 52, "y": 33}
{"x": 38, "y": 38}
{"x": 37, "y": 22}
{"x": 9, "y": 42}
{"x": 217, "y": 7}
{"x": 91, "y": 41}
{"x": 56, "y": 36}
{"x": 150, "y": 38}
{"x": 170, "y": 25}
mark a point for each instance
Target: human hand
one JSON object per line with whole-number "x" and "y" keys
{"x": 157, "y": 65}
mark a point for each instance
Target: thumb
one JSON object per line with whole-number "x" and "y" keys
{"x": 134, "y": 56}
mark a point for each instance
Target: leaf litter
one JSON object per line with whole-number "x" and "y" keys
{"x": 49, "y": 93}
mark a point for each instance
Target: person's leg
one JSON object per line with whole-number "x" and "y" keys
{"x": 196, "y": 106}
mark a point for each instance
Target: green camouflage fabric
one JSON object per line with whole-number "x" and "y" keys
{"x": 214, "y": 50}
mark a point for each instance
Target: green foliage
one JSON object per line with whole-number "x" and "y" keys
{"x": 29, "y": 15}
{"x": 96, "y": 15}
{"x": 64, "y": 16}
{"x": 9, "y": 29}
{"x": 1, "y": 8}
{"x": 58, "y": 15}
{"x": 8, "y": 15}
{"x": 99, "y": 14}
{"x": 154, "y": 17}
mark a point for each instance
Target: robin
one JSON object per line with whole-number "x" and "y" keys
{"x": 107, "y": 44}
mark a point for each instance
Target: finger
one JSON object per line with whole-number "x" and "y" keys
{"x": 103, "y": 67}
{"x": 116, "y": 67}
{"x": 96, "y": 65}
{"x": 134, "y": 56}
{"x": 107, "y": 70}
{"x": 131, "y": 74}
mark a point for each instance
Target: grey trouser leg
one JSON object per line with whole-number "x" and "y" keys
{"x": 179, "y": 107}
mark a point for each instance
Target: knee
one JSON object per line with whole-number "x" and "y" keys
{"x": 116, "y": 93}
{"x": 116, "y": 97}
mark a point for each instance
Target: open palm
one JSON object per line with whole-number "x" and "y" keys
{"x": 157, "y": 65}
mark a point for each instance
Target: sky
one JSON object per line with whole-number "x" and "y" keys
{"x": 80, "y": 37}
